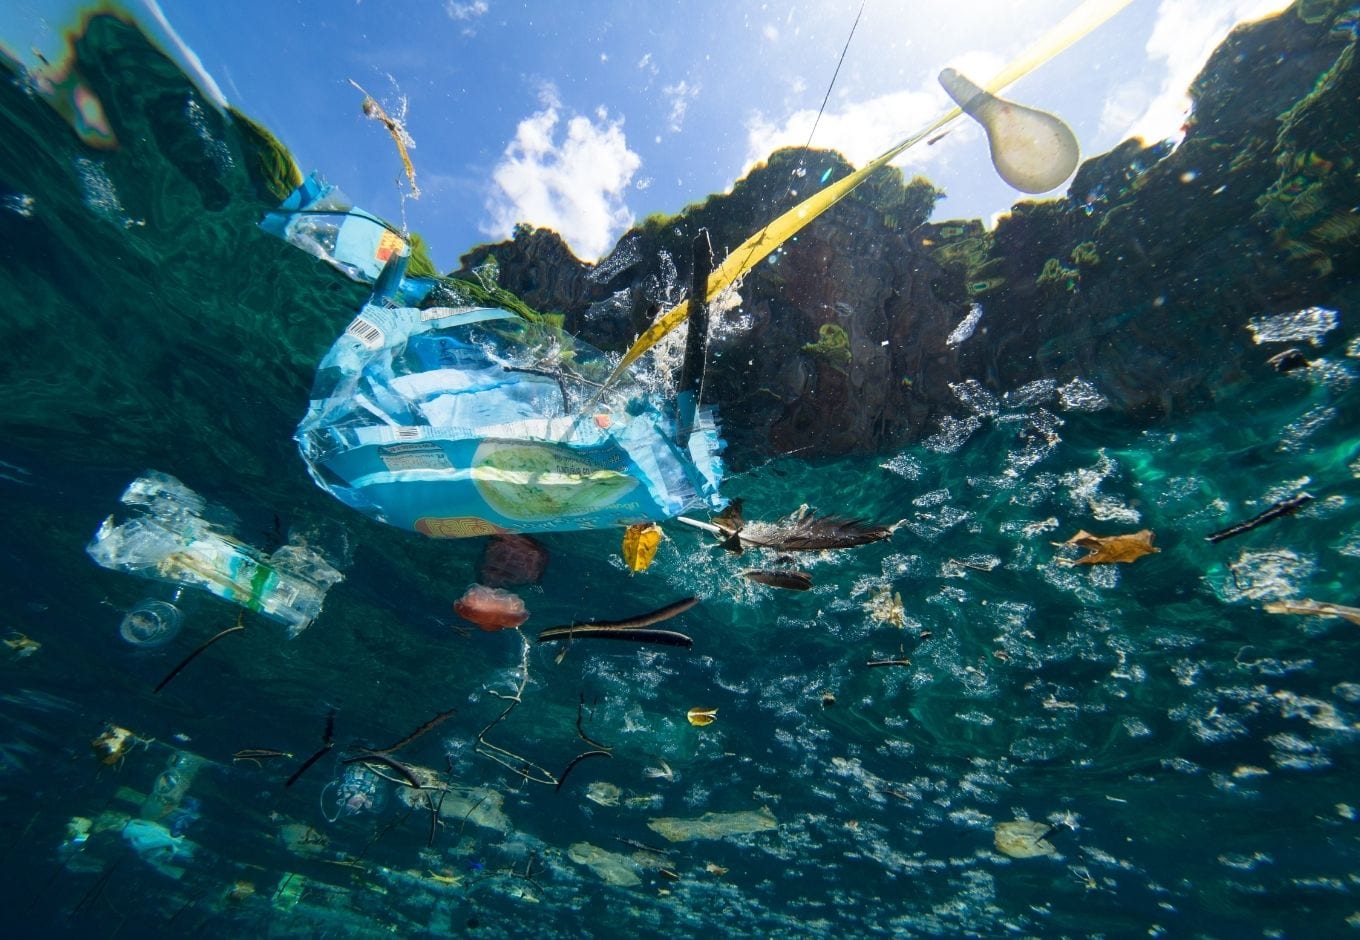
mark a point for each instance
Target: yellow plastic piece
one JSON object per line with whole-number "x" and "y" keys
{"x": 640, "y": 543}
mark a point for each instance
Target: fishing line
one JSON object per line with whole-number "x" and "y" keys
{"x": 834, "y": 74}
{"x": 755, "y": 249}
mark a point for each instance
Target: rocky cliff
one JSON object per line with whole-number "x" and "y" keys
{"x": 1154, "y": 256}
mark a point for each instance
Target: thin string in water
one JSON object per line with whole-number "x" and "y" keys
{"x": 839, "y": 63}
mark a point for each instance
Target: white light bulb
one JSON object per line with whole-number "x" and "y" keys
{"x": 1032, "y": 150}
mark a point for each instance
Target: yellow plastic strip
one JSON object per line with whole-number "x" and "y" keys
{"x": 756, "y": 248}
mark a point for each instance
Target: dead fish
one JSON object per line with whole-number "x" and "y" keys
{"x": 791, "y": 580}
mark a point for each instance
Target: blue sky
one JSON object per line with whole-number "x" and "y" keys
{"x": 588, "y": 116}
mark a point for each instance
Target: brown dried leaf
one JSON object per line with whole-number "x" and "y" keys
{"x": 1109, "y": 549}
{"x": 1316, "y": 609}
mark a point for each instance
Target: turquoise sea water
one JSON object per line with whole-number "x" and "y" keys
{"x": 1196, "y": 754}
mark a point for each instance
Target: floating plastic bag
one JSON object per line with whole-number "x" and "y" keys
{"x": 458, "y": 422}
{"x": 464, "y": 420}
{"x": 169, "y": 539}
{"x": 319, "y": 219}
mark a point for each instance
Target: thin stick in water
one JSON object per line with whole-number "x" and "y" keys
{"x": 194, "y": 655}
{"x": 429, "y": 725}
{"x": 642, "y": 620}
{"x": 307, "y": 764}
{"x": 576, "y": 760}
{"x": 659, "y": 637}
{"x": 581, "y": 731}
{"x": 1285, "y": 507}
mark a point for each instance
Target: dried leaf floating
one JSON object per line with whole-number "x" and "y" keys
{"x": 1315, "y": 609}
{"x": 640, "y": 543}
{"x": 790, "y": 580}
{"x": 1023, "y": 838}
{"x": 1110, "y": 549}
{"x": 701, "y": 717}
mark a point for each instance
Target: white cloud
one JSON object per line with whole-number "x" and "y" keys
{"x": 680, "y": 95}
{"x": 862, "y": 130}
{"x": 1185, "y": 34}
{"x": 573, "y": 182}
{"x": 465, "y": 11}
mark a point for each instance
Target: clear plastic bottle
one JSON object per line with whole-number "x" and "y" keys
{"x": 172, "y": 541}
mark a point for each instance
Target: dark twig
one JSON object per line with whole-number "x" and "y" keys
{"x": 327, "y": 742}
{"x": 194, "y": 655}
{"x": 435, "y": 808}
{"x": 472, "y": 809}
{"x": 658, "y": 637}
{"x": 1285, "y": 507}
{"x": 429, "y": 725}
{"x": 888, "y": 662}
{"x": 307, "y": 764}
{"x": 580, "y": 730}
{"x": 576, "y": 760}
{"x": 642, "y": 620}
{"x": 644, "y": 846}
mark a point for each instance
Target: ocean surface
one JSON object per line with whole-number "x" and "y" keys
{"x": 1193, "y": 756}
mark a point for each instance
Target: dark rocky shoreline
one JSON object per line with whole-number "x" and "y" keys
{"x": 1155, "y": 256}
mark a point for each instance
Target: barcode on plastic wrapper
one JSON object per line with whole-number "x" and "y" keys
{"x": 366, "y": 332}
